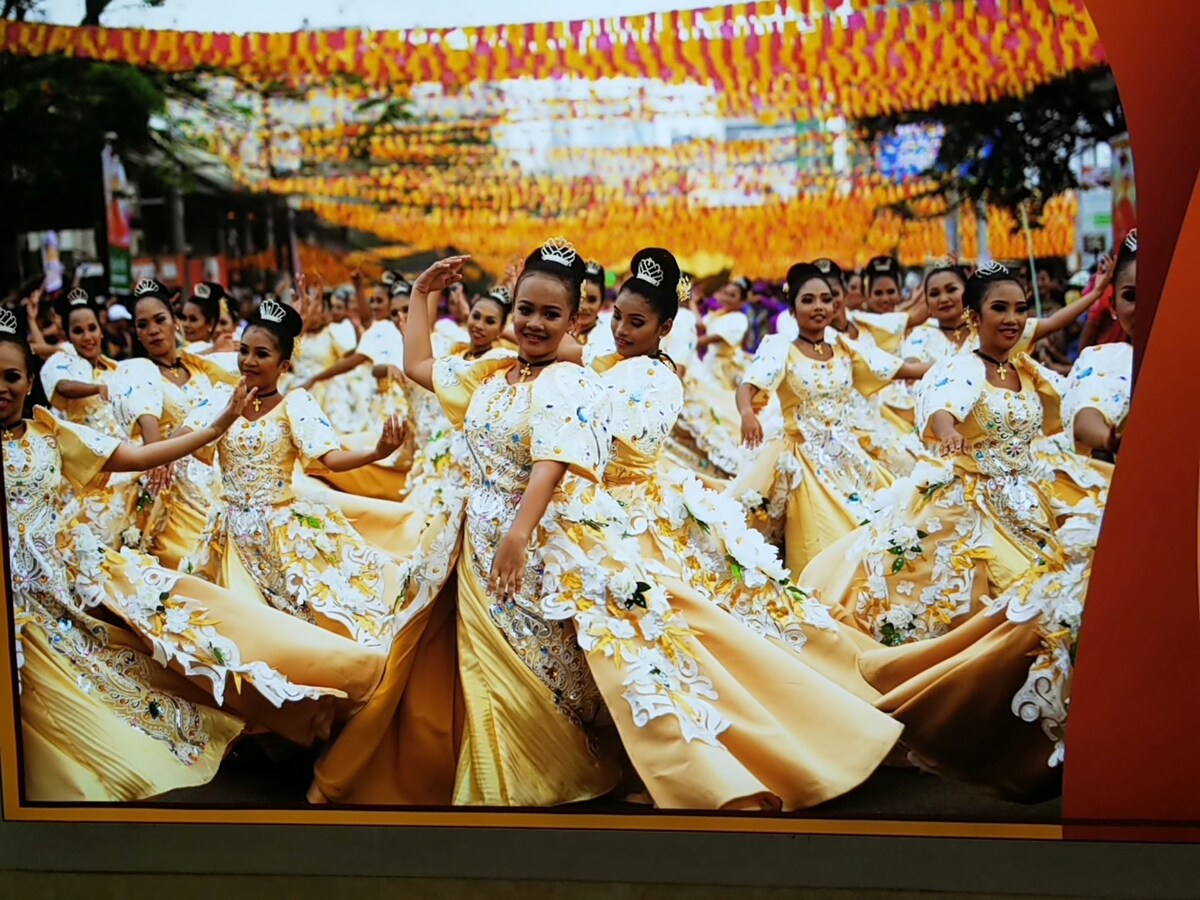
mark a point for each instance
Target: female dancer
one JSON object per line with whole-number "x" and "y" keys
{"x": 102, "y": 717}
{"x": 208, "y": 325}
{"x": 807, "y": 488}
{"x": 917, "y": 575}
{"x": 951, "y": 331}
{"x": 591, "y": 299}
{"x": 152, "y": 397}
{"x": 552, "y": 549}
{"x": 1098, "y": 392}
{"x": 699, "y": 536}
{"x": 78, "y": 385}
{"x": 300, "y": 556}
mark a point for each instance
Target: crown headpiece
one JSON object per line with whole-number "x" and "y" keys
{"x": 146, "y": 286}
{"x": 824, "y": 266}
{"x": 388, "y": 278}
{"x": 991, "y": 268}
{"x": 882, "y": 265}
{"x": 683, "y": 289}
{"x": 1131, "y": 241}
{"x": 559, "y": 250}
{"x": 942, "y": 263}
{"x": 8, "y": 322}
{"x": 202, "y": 290}
{"x": 650, "y": 271}
{"x": 593, "y": 267}
{"x": 270, "y": 311}
{"x": 501, "y": 293}
{"x": 77, "y": 297}
{"x": 399, "y": 287}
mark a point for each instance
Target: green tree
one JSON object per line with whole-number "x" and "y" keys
{"x": 1016, "y": 150}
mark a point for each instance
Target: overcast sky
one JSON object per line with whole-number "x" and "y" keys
{"x": 248, "y": 15}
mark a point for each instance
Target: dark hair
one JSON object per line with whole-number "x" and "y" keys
{"x": 941, "y": 267}
{"x": 831, "y": 270}
{"x": 398, "y": 288}
{"x": 658, "y": 282}
{"x": 798, "y": 276}
{"x": 558, "y": 259}
{"x": 285, "y": 331}
{"x": 882, "y": 267}
{"x": 149, "y": 289}
{"x": 73, "y": 301}
{"x": 498, "y": 295}
{"x": 594, "y": 273}
{"x": 19, "y": 337}
{"x": 983, "y": 280}
{"x": 208, "y": 296}
{"x": 1126, "y": 254}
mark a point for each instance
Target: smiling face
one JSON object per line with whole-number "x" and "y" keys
{"x": 338, "y": 311}
{"x": 155, "y": 327}
{"x": 543, "y": 313}
{"x": 814, "y": 308}
{"x": 591, "y": 299}
{"x": 1124, "y": 294}
{"x": 944, "y": 294}
{"x": 196, "y": 328}
{"x": 636, "y": 327}
{"x": 14, "y": 383}
{"x": 260, "y": 360}
{"x": 485, "y": 323}
{"x": 378, "y": 301}
{"x": 854, "y": 292}
{"x": 885, "y": 295}
{"x": 85, "y": 334}
{"x": 1002, "y": 317}
{"x": 731, "y": 297}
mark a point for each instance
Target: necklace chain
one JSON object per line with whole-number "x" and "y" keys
{"x": 1001, "y": 366}
{"x": 818, "y": 346}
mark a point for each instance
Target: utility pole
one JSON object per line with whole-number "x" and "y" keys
{"x": 178, "y": 231}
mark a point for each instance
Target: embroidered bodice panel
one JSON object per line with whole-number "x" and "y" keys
{"x": 1008, "y": 423}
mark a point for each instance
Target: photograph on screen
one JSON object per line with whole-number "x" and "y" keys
{"x": 704, "y": 410}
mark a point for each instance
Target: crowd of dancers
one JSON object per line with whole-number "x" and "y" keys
{"x": 560, "y": 543}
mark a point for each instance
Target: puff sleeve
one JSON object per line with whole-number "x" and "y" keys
{"x": 312, "y": 433}
{"x": 455, "y": 380}
{"x": 1101, "y": 379}
{"x": 570, "y": 419}
{"x": 770, "y": 363}
{"x": 872, "y": 368}
{"x": 136, "y": 390}
{"x": 84, "y": 452}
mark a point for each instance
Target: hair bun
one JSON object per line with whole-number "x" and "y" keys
{"x": 276, "y": 316}
{"x": 801, "y": 273}
{"x": 656, "y": 269}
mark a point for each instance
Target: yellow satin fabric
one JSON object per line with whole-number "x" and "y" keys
{"x": 75, "y": 749}
{"x": 179, "y": 535}
{"x": 517, "y": 748}
{"x": 815, "y": 515}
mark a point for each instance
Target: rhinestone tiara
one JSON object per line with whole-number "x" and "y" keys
{"x": 202, "y": 290}
{"x": 990, "y": 268}
{"x": 650, "y": 271}
{"x": 559, "y": 250}
{"x": 8, "y": 322}
{"x": 1131, "y": 241}
{"x": 77, "y": 297}
{"x": 270, "y": 311}
{"x": 145, "y": 286}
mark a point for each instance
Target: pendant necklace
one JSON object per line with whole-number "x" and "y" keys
{"x": 818, "y": 346}
{"x": 1001, "y": 367}
{"x": 259, "y": 398}
{"x": 527, "y": 367}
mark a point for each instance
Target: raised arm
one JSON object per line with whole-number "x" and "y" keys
{"x": 1063, "y": 318}
{"x": 418, "y": 346}
{"x": 389, "y": 442}
{"x": 135, "y": 458}
{"x": 341, "y": 367}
